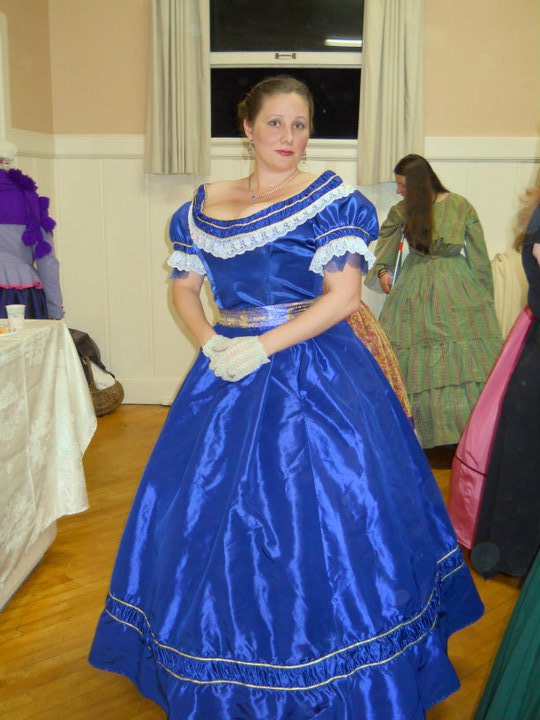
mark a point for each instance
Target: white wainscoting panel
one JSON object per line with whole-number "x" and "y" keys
{"x": 112, "y": 233}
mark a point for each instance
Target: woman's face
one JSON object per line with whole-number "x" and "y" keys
{"x": 401, "y": 185}
{"x": 280, "y": 131}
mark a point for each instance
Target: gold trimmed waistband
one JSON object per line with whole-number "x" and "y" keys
{"x": 264, "y": 316}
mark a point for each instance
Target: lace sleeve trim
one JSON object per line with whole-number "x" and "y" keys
{"x": 184, "y": 261}
{"x": 243, "y": 242}
{"x": 338, "y": 247}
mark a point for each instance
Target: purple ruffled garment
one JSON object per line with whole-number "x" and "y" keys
{"x": 20, "y": 204}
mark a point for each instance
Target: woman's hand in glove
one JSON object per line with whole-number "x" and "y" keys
{"x": 216, "y": 344}
{"x": 241, "y": 357}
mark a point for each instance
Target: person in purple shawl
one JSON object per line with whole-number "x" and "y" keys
{"x": 29, "y": 270}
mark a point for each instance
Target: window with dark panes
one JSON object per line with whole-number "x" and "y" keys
{"x": 316, "y": 41}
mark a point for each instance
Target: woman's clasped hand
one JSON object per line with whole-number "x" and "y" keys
{"x": 233, "y": 358}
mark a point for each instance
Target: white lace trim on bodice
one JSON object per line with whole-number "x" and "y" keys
{"x": 337, "y": 248}
{"x": 185, "y": 261}
{"x": 243, "y": 242}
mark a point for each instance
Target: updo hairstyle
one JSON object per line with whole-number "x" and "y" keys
{"x": 251, "y": 105}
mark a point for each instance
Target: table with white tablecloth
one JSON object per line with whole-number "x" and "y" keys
{"x": 47, "y": 420}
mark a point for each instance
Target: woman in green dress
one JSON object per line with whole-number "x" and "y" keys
{"x": 513, "y": 687}
{"x": 439, "y": 314}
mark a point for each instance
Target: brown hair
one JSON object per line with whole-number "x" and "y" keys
{"x": 422, "y": 187}
{"x": 251, "y": 105}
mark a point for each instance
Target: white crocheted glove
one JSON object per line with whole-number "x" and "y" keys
{"x": 216, "y": 344}
{"x": 242, "y": 356}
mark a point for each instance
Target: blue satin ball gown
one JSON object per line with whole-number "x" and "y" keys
{"x": 288, "y": 553}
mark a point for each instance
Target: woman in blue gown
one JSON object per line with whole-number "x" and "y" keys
{"x": 288, "y": 553}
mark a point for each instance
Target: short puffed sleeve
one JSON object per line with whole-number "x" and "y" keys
{"x": 343, "y": 231}
{"x": 184, "y": 257}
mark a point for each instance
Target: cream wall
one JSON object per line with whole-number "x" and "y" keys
{"x": 112, "y": 218}
{"x": 99, "y": 60}
{"x": 29, "y": 64}
{"x": 85, "y": 63}
{"x": 482, "y": 60}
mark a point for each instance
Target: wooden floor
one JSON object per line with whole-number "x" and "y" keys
{"x": 47, "y": 628}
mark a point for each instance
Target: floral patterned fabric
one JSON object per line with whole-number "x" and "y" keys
{"x": 367, "y": 329}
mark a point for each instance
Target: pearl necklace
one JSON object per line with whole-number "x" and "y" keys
{"x": 259, "y": 196}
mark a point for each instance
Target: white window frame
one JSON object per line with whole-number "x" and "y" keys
{"x": 286, "y": 58}
{"x": 334, "y": 149}
{"x": 320, "y": 149}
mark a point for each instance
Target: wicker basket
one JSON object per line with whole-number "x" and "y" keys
{"x": 107, "y": 399}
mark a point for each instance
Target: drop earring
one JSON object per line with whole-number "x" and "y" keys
{"x": 304, "y": 157}
{"x": 251, "y": 149}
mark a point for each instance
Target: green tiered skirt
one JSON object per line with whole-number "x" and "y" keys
{"x": 442, "y": 325}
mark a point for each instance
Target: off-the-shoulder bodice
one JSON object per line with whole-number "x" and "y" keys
{"x": 277, "y": 254}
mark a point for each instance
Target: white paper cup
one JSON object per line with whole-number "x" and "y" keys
{"x": 15, "y": 315}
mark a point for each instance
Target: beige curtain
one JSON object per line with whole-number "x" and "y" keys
{"x": 509, "y": 288}
{"x": 391, "y": 121}
{"x": 178, "y": 104}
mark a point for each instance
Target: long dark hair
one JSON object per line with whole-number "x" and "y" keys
{"x": 421, "y": 189}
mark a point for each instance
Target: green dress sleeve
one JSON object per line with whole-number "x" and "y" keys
{"x": 386, "y": 250}
{"x": 476, "y": 251}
